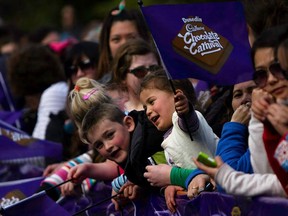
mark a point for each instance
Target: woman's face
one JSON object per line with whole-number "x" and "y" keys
{"x": 278, "y": 88}
{"x": 282, "y": 56}
{"x": 132, "y": 81}
{"x": 84, "y": 68}
{"x": 120, "y": 32}
{"x": 242, "y": 93}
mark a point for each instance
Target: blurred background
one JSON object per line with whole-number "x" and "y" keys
{"x": 32, "y": 14}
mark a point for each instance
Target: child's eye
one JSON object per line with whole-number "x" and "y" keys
{"x": 110, "y": 135}
{"x": 151, "y": 102}
{"x": 98, "y": 145}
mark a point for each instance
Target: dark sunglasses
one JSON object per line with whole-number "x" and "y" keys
{"x": 141, "y": 71}
{"x": 260, "y": 76}
{"x": 83, "y": 65}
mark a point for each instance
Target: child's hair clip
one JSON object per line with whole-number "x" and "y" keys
{"x": 77, "y": 88}
{"x": 91, "y": 92}
{"x": 121, "y": 8}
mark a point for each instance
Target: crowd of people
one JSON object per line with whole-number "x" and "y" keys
{"x": 109, "y": 102}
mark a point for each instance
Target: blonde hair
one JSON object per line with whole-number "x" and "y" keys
{"x": 86, "y": 94}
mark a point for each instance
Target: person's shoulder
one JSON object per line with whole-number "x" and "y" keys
{"x": 57, "y": 88}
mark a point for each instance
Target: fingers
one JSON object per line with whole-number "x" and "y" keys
{"x": 193, "y": 191}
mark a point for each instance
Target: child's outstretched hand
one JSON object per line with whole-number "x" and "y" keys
{"x": 181, "y": 103}
{"x": 79, "y": 172}
{"x": 211, "y": 171}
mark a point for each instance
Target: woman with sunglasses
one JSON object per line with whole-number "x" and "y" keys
{"x": 81, "y": 60}
{"x": 132, "y": 62}
{"x": 269, "y": 177}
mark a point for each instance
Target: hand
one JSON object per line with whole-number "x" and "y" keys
{"x": 79, "y": 172}
{"x": 277, "y": 116}
{"x": 131, "y": 191}
{"x": 181, "y": 103}
{"x": 158, "y": 175}
{"x": 211, "y": 171}
{"x": 52, "y": 168}
{"x": 242, "y": 115}
{"x": 70, "y": 189}
{"x": 169, "y": 193}
{"x": 128, "y": 191}
{"x": 197, "y": 185}
{"x": 260, "y": 103}
{"x": 116, "y": 200}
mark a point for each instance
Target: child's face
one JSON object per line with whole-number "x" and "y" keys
{"x": 112, "y": 139}
{"x": 159, "y": 107}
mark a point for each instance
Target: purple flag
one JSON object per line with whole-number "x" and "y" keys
{"x": 12, "y": 192}
{"x": 10, "y": 117}
{"x": 15, "y": 144}
{"x": 37, "y": 204}
{"x": 206, "y": 41}
{"x": 6, "y": 100}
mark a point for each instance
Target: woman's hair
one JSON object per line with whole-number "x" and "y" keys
{"x": 75, "y": 52}
{"x": 98, "y": 113}
{"x": 124, "y": 55}
{"x": 32, "y": 69}
{"x": 105, "y": 53}
{"x": 270, "y": 38}
{"x": 86, "y": 94}
{"x": 264, "y": 14}
{"x": 159, "y": 80}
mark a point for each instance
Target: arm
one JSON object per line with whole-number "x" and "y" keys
{"x": 52, "y": 100}
{"x": 187, "y": 115}
{"x": 233, "y": 147}
{"x": 258, "y": 157}
{"x": 243, "y": 184}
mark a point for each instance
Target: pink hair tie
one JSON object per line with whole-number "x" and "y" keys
{"x": 87, "y": 95}
{"x": 121, "y": 7}
{"x": 76, "y": 88}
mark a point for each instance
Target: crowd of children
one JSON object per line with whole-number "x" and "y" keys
{"x": 115, "y": 102}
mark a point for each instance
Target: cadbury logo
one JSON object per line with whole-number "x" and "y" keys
{"x": 198, "y": 43}
{"x": 10, "y": 201}
{"x": 209, "y": 41}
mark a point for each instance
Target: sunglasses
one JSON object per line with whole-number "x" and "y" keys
{"x": 83, "y": 65}
{"x": 141, "y": 71}
{"x": 260, "y": 76}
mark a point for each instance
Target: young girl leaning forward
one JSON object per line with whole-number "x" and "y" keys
{"x": 187, "y": 134}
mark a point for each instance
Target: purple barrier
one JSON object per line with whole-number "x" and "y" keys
{"x": 207, "y": 203}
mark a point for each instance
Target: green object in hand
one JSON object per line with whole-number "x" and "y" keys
{"x": 205, "y": 159}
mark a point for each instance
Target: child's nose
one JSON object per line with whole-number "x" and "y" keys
{"x": 108, "y": 146}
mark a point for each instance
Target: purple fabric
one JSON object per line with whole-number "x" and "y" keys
{"x": 10, "y": 117}
{"x": 207, "y": 203}
{"x": 26, "y": 187}
{"x": 15, "y": 144}
{"x": 224, "y": 18}
{"x": 38, "y": 204}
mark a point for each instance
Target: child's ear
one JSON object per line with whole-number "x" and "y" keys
{"x": 179, "y": 90}
{"x": 129, "y": 123}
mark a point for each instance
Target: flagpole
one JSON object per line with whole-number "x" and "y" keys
{"x": 93, "y": 205}
{"x": 140, "y": 3}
